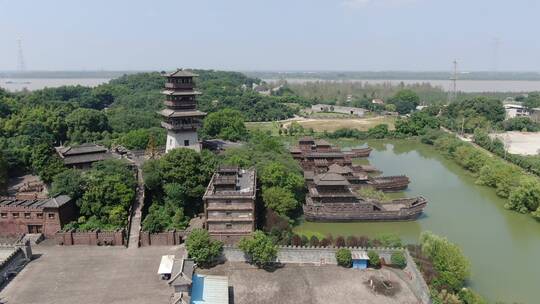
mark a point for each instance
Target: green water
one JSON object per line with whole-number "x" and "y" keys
{"x": 503, "y": 246}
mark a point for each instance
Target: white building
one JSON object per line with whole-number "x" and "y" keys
{"x": 515, "y": 110}
{"x": 338, "y": 109}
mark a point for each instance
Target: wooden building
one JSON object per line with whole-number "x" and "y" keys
{"x": 181, "y": 117}
{"x": 229, "y": 204}
{"x": 46, "y": 216}
{"x": 83, "y": 156}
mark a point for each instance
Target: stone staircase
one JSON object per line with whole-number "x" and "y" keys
{"x": 136, "y": 212}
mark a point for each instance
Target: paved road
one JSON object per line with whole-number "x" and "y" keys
{"x": 136, "y": 213}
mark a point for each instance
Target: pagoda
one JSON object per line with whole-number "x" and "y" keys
{"x": 181, "y": 117}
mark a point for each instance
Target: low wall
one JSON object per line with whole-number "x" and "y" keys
{"x": 169, "y": 238}
{"x": 327, "y": 256}
{"x": 306, "y": 255}
{"x": 95, "y": 238}
{"x": 19, "y": 255}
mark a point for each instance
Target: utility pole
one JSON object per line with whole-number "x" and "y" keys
{"x": 452, "y": 93}
{"x": 20, "y": 58}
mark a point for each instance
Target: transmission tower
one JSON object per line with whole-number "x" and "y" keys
{"x": 452, "y": 93}
{"x": 20, "y": 57}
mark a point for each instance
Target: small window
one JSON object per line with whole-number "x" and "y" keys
{"x": 228, "y": 213}
{"x": 186, "y": 143}
{"x": 228, "y": 226}
{"x": 52, "y": 215}
{"x": 228, "y": 202}
{"x": 27, "y": 215}
{"x": 3, "y": 215}
{"x": 39, "y": 215}
{"x": 15, "y": 215}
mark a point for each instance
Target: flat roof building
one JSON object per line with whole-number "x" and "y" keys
{"x": 229, "y": 204}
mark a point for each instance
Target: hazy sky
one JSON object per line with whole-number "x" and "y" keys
{"x": 271, "y": 34}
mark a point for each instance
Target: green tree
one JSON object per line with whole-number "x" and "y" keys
{"x": 467, "y": 296}
{"x": 398, "y": 259}
{"x": 201, "y": 248}
{"x": 344, "y": 257}
{"x": 226, "y": 124}
{"x": 260, "y": 248}
{"x": 69, "y": 182}
{"x": 374, "y": 259}
{"x": 526, "y": 197}
{"x": 86, "y": 125}
{"x": 280, "y": 200}
{"x": 3, "y": 173}
{"x": 45, "y": 162}
{"x": 448, "y": 260}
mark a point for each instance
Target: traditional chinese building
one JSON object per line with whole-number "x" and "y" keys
{"x": 318, "y": 155}
{"x": 331, "y": 198}
{"x": 181, "y": 117}
{"x": 83, "y": 156}
{"x": 47, "y": 216}
{"x": 229, "y": 204}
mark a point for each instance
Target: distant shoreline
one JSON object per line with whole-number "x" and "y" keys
{"x": 314, "y": 75}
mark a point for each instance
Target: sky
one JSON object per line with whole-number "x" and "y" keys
{"x": 277, "y": 35}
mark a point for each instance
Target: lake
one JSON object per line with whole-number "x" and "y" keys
{"x": 18, "y": 84}
{"x": 468, "y": 86}
{"x": 503, "y": 246}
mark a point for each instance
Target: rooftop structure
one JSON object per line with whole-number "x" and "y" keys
{"x": 84, "y": 155}
{"x": 229, "y": 203}
{"x": 181, "y": 117}
{"x": 46, "y": 216}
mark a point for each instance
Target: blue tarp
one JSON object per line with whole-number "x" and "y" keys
{"x": 359, "y": 264}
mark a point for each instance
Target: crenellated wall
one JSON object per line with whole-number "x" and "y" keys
{"x": 97, "y": 237}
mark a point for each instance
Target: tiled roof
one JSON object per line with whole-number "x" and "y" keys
{"x": 81, "y": 149}
{"x": 54, "y": 202}
{"x": 172, "y": 113}
{"x": 180, "y": 73}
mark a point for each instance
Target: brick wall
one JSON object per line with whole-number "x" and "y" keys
{"x": 112, "y": 238}
{"x": 169, "y": 238}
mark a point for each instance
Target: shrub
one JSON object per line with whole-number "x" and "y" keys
{"x": 398, "y": 259}
{"x": 325, "y": 242}
{"x": 305, "y": 240}
{"x": 352, "y": 241}
{"x": 314, "y": 241}
{"x": 201, "y": 248}
{"x": 260, "y": 248}
{"x": 344, "y": 257}
{"x": 296, "y": 240}
{"x": 374, "y": 259}
{"x": 340, "y": 241}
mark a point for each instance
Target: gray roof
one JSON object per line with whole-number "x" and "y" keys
{"x": 87, "y": 158}
{"x": 182, "y": 272}
{"x": 335, "y": 168}
{"x": 244, "y": 181}
{"x": 180, "y": 73}
{"x": 180, "y": 93}
{"x": 172, "y": 113}
{"x": 81, "y": 149}
{"x": 330, "y": 179}
{"x": 54, "y": 202}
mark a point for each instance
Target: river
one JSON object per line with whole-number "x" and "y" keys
{"x": 31, "y": 84}
{"x": 503, "y": 246}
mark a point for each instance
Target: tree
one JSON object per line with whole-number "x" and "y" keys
{"x": 448, "y": 260}
{"x": 467, "y": 296}
{"x": 70, "y": 182}
{"x": 3, "y": 173}
{"x": 526, "y": 197}
{"x": 86, "y": 125}
{"x": 201, "y": 248}
{"x": 280, "y": 200}
{"x": 314, "y": 241}
{"x": 374, "y": 259}
{"x": 398, "y": 259}
{"x": 227, "y": 124}
{"x": 344, "y": 257}
{"x": 379, "y": 131}
{"x": 45, "y": 162}
{"x": 260, "y": 248}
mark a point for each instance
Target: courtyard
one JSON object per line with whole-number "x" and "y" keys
{"x": 302, "y": 284}
{"x": 91, "y": 274}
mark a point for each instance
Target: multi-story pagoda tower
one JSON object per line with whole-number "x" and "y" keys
{"x": 181, "y": 117}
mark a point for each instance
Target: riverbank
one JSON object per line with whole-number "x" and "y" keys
{"x": 470, "y": 215}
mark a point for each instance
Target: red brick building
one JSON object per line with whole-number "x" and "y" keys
{"x": 47, "y": 216}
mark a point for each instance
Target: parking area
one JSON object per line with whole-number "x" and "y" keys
{"x": 91, "y": 274}
{"x": 524, "y": 143}
{"x": 303, "y": 284}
